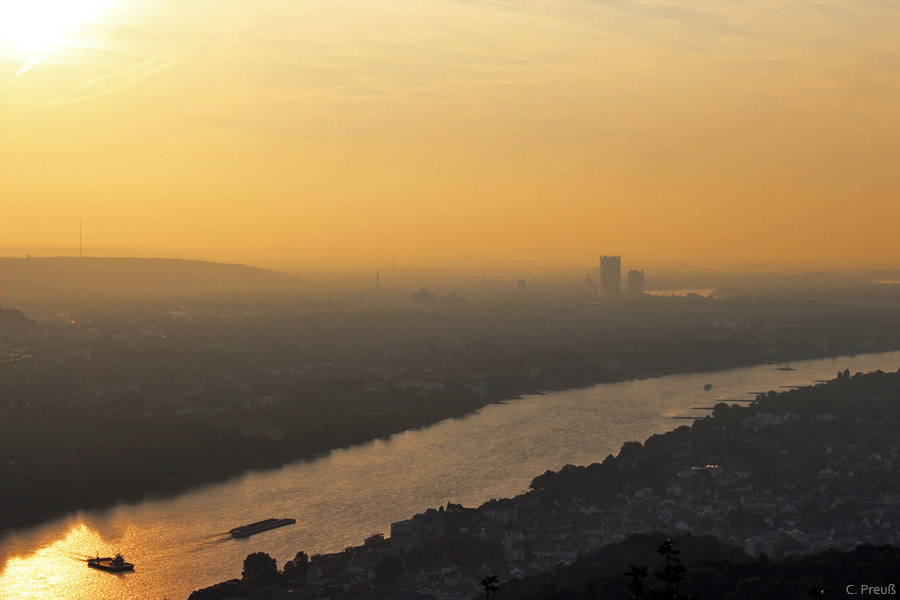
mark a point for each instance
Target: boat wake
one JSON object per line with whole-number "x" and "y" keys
{"x": 77, "y": 556}
{"x": 210, "y": 541}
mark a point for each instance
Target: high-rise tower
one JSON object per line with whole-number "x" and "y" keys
{"x": 610, "y": 275}
{"x": 635, "y": 282}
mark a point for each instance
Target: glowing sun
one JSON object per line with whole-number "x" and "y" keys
{"x": 32, "y": 28}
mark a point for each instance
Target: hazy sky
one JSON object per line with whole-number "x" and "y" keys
{"x": 454, "y": 131}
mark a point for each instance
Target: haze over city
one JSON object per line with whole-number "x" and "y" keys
{"x": 449, "y": 299}
{"x": 451, "y": 133}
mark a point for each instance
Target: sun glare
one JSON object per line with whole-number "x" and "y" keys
{"x": 32, "y": 28}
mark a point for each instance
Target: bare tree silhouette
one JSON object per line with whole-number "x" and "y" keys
{"x": 490, "y": 589}
{"x": 636, "y": 585}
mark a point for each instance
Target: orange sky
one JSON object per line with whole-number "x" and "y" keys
{"x": 454, "y": 132}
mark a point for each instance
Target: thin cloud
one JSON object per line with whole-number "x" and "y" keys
{"x": 29, "y": 65}
{"x": 107, "y": 84}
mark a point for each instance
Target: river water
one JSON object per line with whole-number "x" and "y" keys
{"x": 180, "y": 544}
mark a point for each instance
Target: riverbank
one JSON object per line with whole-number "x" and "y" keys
{"x": 795, "y": 473}
{"x": 262, "y": 457}
{"x": 131, "y": 401}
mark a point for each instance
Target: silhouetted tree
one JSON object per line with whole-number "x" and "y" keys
{"x": 295, "y": 570}
{"x": 260, "y": 569}
{"x": 631, "y": 451}
{"x": 636, "y": 585}
{"x": 674, "y": 570}
{"x": 490, "y": 589}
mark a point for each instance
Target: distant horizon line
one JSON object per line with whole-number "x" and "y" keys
{"x": 548, "y": 267}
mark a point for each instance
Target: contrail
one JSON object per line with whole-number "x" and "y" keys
{"x": 29, "y": 65}
{"x": 110, "y": 82}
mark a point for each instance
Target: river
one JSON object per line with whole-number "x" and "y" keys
{"x": 179, "y": 543}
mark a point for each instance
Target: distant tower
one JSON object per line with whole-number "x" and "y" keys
{"x": 610, "y": 275}
{"x": 79, "y": 239}
{"x": 635, "y": 282}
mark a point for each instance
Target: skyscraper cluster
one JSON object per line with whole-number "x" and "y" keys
{"x": 611, "y": 278}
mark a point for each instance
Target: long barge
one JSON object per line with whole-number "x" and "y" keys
{"x": 260, "y": 526}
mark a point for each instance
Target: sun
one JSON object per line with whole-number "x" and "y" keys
{"x": 32, "y": 28}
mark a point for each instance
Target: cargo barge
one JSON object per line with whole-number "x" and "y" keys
{"x": 260, "y": 526}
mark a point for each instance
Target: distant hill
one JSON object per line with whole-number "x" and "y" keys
{"x": 40, "y": 278}
{"x": 13, "y": 321}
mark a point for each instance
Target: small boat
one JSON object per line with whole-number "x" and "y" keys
{"x": 707, "y": 387}
{"x": 785, "y": 368}
{"x": 260, "y": 526}
{"x": 107, "y": 563}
